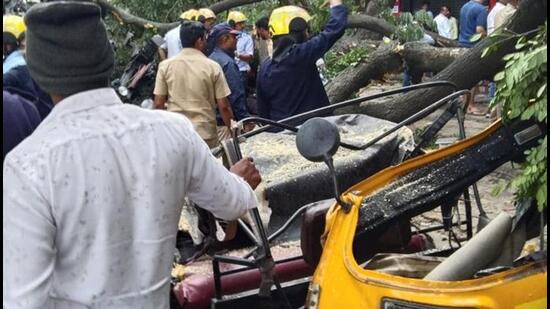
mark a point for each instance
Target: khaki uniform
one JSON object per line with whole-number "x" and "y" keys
{"x": 192, "y": 83}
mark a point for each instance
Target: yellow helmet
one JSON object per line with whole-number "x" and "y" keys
{"x": 206, "y": 13}
{"x": 279, "y": 21}
{"x": 236, "y": 17}
{"x": 191, "y": 14}
{"x": 14, "y": 25}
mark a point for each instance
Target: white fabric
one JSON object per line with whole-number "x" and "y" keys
{"x": 92, "y": 201}
{"x": 245, "y": 46}
{"x": 172, "y": 42}
{"x": 443, "y": 26}
{"x": 491, "y": 17}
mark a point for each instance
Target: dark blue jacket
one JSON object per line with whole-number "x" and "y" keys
{"x": 20, "y": 120}
{"x": 237, "y": 98}
{"x": 19, "y": 81}
{"x": 293, "y": 85}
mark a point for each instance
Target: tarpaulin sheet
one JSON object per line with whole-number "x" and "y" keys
{"x": 291, "y": 181}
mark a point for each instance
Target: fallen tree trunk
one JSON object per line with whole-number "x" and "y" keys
{"x": 425, "y": 58}
{"x": 466, "y": 71}
{"x": 383, "y": 60}
{"x": 419, "y": 57}
{"x": 383, "y": 27}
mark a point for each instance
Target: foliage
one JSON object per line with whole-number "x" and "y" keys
{"x": 522, "y": 92}
{"x": 425, "y": 20}
{"x": 318, "y": 9}
{"x": 337, "y": 62}
{"x": 408, "y": 29}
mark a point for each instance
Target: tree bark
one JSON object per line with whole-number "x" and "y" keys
{"x": 419, "y": 57}
{"x": 383, "y": 27}
{"x": 125, "y": 17}
{"x": 466, "y": 71}
{"x": 383, "y": 60}
{"x": 425, "y": 58}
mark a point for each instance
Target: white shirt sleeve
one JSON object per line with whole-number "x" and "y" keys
{"x": 28, "y": 241}
{"x": 213, "y": 187}
{"x": 249, "y": 46}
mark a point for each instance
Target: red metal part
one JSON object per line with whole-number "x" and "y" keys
{"x": 197, "y": 291}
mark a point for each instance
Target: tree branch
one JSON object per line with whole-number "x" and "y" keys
{"x": 125, "y": 17}
{"x": 466, "y": 71}
{"x": 419, "y": 57}
{"x": 383, "y": 27}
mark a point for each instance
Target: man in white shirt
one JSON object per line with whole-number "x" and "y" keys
{"x": 506, "y": 13}
{"x": 172, "y": 42}
{"x": 92, "y": 198}
{"x": 245, "y": 45}
{"x": 443, "y": 22}
{"x": 499, "y": 6}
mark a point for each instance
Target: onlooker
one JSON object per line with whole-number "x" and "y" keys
{"x": 454, "y": 25}
{"x": 20, "y": 120}
{"x": 491, "y": 27}
{"x": 223, "y": 54}
{"x": 245, "y": 45}
{"x": 505, "y": 14}
{"x": 19, "y": 81}
{"x": 264, "y": 44}
{"x": 426, "y": 8}
{"x": 172, "y": 42}
{"x": 473, "y": 20}
{"x": 92, "y": 198}
{"x": 443, "y": 22}
{"x": 193, "y": 85}
{"x": 12, "y": 29}
{"x": 16, "y": 77}
{"x": 289, "y": 83}
{"x": 499, "y": 6}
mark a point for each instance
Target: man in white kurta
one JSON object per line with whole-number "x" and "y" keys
{"x": 93, "y": 197}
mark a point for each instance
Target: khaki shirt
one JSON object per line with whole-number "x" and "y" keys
{"x": 192, "y": 83}
{"x": 265, "y": 49}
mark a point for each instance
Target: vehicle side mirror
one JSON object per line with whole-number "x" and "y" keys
{"x": 318, "y": 140}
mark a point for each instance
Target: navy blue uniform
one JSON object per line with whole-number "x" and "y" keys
{"x": 293, "y": 85}
{"x": 237, "y": 98}
{"x": 19, "y": 81}
{"x": 20, "y": 120}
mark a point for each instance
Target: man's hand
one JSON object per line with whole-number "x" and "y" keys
{"x": 160, "y": 101}
{"x": 247, "y": 170}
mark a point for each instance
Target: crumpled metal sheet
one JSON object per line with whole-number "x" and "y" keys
{"x": 291, "y": 181}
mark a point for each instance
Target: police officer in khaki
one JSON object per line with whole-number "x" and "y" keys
{"x": 193, "y": 85}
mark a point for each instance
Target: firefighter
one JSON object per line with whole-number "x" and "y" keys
{"x": 289, "y": 83}
{"x": 245, "y": 45}
{"x": 13, "y": 27}
{"x": 207, "y": 17}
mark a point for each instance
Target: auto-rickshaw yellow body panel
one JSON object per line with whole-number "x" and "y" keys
{"x": 339, "y": 282}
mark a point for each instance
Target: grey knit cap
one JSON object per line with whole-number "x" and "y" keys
{"x": 68, "y": 50}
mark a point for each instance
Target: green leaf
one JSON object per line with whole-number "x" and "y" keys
{"x": 499, "y": 76}
{"x": 476, "y": 37}
{"x": 541, "y": 91}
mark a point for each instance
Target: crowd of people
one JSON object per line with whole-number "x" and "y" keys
{"x": 94, "y": 188}
{"x": 213, "y": 63}
{"x": 476, "y": 19}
